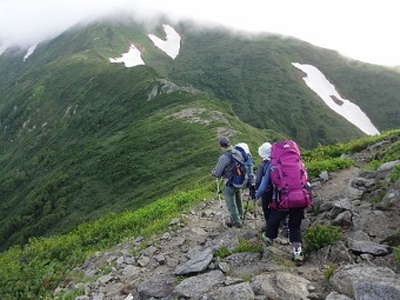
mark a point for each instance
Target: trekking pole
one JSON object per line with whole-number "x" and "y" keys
{"x": 219, "y": 193}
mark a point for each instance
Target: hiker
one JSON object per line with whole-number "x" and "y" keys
{"x": 285, "y": 176}
{"x": 264, "y": 151}
{"x": 235, "y": 166}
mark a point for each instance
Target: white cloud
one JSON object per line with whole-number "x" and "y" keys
{"x": 363, "y": 29}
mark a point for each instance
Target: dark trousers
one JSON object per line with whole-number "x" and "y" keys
{"x": 295, "y": 217}
{"x": 265, "y": 201}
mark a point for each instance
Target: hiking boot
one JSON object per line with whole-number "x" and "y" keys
{"x": 268, "y": 242}
{"x": 298, "y": 256}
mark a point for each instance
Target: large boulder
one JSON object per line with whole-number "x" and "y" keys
{"x": 158, "y": 286}
{"x": 198, "y": 262}
{"x": 241, "y": 291}
{"x": 197, "y": 286}
{"x": 388, "y": 166}
{"x": 367, "y": 282}
{"x": 281, "y": 285}
{"x": 369, "y": 247}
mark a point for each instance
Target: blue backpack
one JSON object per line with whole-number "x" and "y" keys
{"x": 241, "y": 169}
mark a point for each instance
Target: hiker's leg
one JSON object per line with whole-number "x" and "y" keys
{"x": 265, "y": 201}
{"x": 238, "y": 200}
{"x": 296, "y": 215}
{"x": 273, "y": 222}
{"x": 229, "y": 195}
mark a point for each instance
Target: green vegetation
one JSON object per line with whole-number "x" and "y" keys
{"x": 397, "y": 255}
{"x": 34, "y": 270}
{"x": 333, "y": 157}
{"x": 330, "y": 270}
{"x": 319, "y": 236}
{"x": 243, "y": 246}
{"x": 75, "y": 155}
{"x": 265, "y": 90}
{"x": 395, "y": 175}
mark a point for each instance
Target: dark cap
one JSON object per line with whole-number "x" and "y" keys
{"x": 224, "y": 141}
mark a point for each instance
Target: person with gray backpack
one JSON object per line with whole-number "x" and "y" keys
{"x": 236, "y": 167}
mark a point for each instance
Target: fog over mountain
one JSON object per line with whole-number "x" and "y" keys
{"x": 363, "y": 32}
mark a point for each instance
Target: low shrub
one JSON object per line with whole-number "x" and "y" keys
{"x": 319, "y": 236}
{"x": 330, "y": 270}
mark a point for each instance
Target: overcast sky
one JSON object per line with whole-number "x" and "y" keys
{"x": 363, "y": 29}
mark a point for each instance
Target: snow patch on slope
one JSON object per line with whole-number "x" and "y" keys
{"x": 317, "y": 81}
{"x": 29, "y": 52}
{"x": 131, "y": 58}
{"x": 171, "y": 45}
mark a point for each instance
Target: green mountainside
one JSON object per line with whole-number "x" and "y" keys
{"x": 256, "y": 74}
{"x": 81, "y": 137}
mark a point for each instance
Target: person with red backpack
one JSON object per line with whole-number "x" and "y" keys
{"x": 286, "y": 179}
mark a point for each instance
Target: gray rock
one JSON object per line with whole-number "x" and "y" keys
{"x": 240, "y": 291}
{"x": 378, "y": 146}
{"x": 103, "y": 280}
{"x": 340, "y": 206}
{"x": 358, "y": 235}
{"x": 232, "y": 280}
{"x": 160, "y": 259}
{"x": 325, "y": 206}
{"x": 197, "y": 286}
{"x": 149, "y": 251}
{"x": 368, "y": 174}
{"x": 130, "y": 271}
{"x": 240, "y": 259}
{"x": 84, "y": 297}
{"x": 362, "y": 183}
{"x": 166, "y": 236}
{"x": 337, "y": 296}
{"x": 175, "y": 221}
{"x": 369, "y": 247}
{"x": 158, "y": 286}
{"x": 281, "y": 285}
{"x": 324, "y": 176}
{"x": 366, "y": 282}
{"x": 98, "y": 296}
{"x": 336, "y": 254}
{"x": 143, "y": 261}
{"x": 388, "y": 166}
{"x": 198, "y": 262}
{"x": 343, "y": 219}
{"x": 224, "y": 267}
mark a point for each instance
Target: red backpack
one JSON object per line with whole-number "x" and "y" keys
{"x": 289, "y": 177}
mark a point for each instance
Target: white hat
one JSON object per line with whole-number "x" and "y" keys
{"x": 265, "y": 151}
{"x": 245, "y": 147}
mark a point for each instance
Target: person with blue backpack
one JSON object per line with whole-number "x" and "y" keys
{"x": 284, "y": 178}
{"x": 235, "y": 165}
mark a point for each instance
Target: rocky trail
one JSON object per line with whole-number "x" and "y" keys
{"x": 198, "y": 257}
